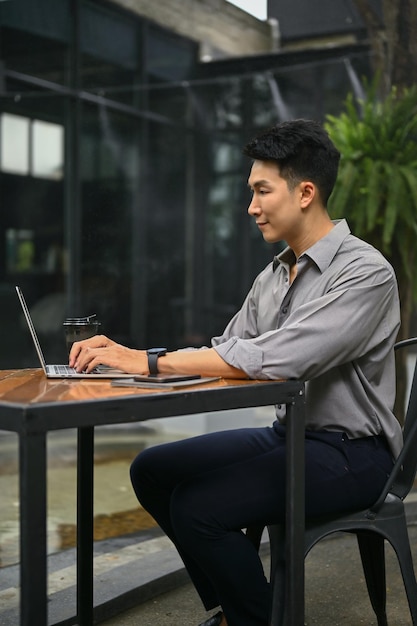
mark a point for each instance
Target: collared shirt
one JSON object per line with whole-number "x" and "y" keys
{"x": 334, "y": 327}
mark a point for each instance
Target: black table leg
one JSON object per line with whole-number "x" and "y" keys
{"x": 85, "y": 517}
{"x": 295, "y": 513}
{"x": 33, "y": 518}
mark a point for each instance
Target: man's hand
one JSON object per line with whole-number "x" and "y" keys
{"x": 100, "y": 350}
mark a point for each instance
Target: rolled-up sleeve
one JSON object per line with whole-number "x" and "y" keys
{"x": 242, "y": 354}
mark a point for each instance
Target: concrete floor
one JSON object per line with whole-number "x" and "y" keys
{"x": 335, "y": 592}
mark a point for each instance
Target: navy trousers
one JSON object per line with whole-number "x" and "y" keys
{"x": 204, "y": 490}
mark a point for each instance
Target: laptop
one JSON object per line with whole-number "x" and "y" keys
{"x": 64, "y": 371}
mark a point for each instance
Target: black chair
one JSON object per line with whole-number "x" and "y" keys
{"x": 385, "y": 520}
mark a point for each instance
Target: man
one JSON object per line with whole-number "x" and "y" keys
{"x": 325, "y": 311}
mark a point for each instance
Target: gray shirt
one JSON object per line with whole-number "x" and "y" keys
{"x": 334, "y": 327}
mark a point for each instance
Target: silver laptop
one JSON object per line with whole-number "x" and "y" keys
{"x": 64, "y": 371}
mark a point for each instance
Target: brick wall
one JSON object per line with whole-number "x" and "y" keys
{"x": 220, "y": 27}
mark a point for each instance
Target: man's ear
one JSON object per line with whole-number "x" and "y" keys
{"x": 308, "y": 192}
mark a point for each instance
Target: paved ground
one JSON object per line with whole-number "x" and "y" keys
{"x": 139, "y": 581}
{"x": 335, "y": 592}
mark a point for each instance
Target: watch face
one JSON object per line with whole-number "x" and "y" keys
{"x": 156, "y": 350}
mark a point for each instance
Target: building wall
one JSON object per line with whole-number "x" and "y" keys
{"x": 220, "y": 27}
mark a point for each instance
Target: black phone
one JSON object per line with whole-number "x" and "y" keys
{"x": 166, "y": 378}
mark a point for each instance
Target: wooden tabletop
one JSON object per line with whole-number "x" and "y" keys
{"x": 31, "y": 386}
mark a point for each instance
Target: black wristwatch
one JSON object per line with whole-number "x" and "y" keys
{"x": 153, "y": 356}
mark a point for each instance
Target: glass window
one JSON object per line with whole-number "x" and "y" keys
{"x": 43, "y": 17}
{"x": 222, "y": 102}
{"x": 170, "y": 57}
{"x": 109, "y": 52}
{"x": 48, "y": 150}
{"x": 164, "y": 206}
{"x": 108, "y": 36}
{"x": 19, "y": 250}
{"x": 108, "y": 173}
{"x": 34, "y": 38}
{"x": 15, "y": 144}
{"x": 32, "y": 220}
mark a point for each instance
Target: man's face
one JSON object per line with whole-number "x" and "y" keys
{"x": 276, "y": 209}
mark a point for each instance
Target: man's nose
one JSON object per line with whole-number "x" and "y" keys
{"x": 253, "y": 208}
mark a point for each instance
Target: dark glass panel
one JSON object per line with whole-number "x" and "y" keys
{"x": 108, "y": 170}
{"x": 169, "y": 101}
{"x": 36, "y": 203}
{"x": 165, "y": 206}
{"x": 40, "y": 17}
{"x": 110, "y": 54}
{"x": 169, "y": 57}
{"x": 32, "y": 235}
{"x": 235, "y": 250}
{"x": 34, "y": 38}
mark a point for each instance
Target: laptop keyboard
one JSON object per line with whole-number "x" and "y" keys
{"x": 64, "y": 370}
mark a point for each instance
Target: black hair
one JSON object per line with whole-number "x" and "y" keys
{"x": 302, "y": 150}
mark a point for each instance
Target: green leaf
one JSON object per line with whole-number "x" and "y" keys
{"x": 374, "y": 193}
{"x": 394, "y": 180}
{"x": 348, "y": 174}
{"x": 410, "y": 176}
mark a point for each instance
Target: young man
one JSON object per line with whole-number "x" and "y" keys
{"x": 325, "y": 311}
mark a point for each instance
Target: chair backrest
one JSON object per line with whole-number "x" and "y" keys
{"x": 403, "y": 473}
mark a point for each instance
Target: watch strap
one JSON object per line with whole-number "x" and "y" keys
{"x": 153, "y": 363}
{"x": 153, "y": 356}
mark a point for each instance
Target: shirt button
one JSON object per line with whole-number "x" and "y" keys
{"x": 284, "y": 310}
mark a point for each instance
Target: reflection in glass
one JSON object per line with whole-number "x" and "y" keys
{"x": 48, "y": 150}
{"x": 14, "y": 144}
{"x": 19, "y": 250}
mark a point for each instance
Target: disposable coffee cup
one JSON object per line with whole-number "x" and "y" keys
{"x": 79, "y": 328}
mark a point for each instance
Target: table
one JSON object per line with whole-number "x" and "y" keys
{"x": 31, "y": 406}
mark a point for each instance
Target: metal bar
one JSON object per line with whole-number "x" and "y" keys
{"x": 295, "y": 512}
{"x": 72, "y": 181}
{"x": 55, "y": 89}
{"x": 33, "y": 544}
{"x": 85, "y": 514}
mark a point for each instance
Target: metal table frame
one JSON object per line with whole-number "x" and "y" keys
{"x": 32, "y": 421}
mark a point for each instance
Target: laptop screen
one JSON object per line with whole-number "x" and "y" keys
{"x": 31, "y": 327}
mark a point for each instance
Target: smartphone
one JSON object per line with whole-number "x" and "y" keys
{"x": 166, "y": 378}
